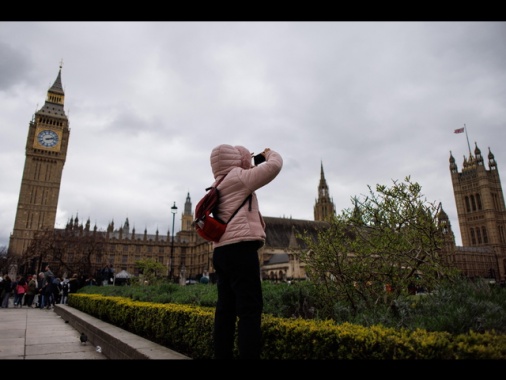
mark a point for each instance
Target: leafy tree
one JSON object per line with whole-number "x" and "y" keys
{"x": 150, "y": 269}
{"x": 376, "y": 251}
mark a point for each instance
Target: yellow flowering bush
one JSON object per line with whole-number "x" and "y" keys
{"x": 188, "y": 329}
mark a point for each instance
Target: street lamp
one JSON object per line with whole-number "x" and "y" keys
{"x": 173, "y": 210}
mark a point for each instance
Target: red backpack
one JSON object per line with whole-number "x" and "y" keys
{"x": 206, "y": 221}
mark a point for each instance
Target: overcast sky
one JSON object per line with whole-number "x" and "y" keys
{"x": 148, "y": 101}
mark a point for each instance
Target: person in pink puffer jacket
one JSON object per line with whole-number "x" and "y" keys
{"x": 235, "y": 256}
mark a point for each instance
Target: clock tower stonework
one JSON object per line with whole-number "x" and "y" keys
{"x": 46, "y": 152}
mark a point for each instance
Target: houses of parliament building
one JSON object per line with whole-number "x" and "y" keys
{"x": 477, "y": 189}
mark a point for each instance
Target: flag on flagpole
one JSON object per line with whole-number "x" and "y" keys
{"x": 459, "y": 130}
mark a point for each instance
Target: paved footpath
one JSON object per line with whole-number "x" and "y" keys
{"x": 31, "y": 333}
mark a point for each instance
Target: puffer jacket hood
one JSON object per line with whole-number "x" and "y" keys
{"x": 242, "y": 180}
{"x": 223, "y": 158}
{"x": 245, "y": 157}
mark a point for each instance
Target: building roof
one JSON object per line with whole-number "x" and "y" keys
{"x": 281, "y": 232}
{"x": 279, "y": 258}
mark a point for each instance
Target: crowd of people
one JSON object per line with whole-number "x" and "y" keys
{"x": 44, "y": 290}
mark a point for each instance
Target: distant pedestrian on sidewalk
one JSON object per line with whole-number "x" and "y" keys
{"x": 6, "y": 291}
{"x": 40, "y": 291}
{"x": 31, "y": 292}
{"x": 47, "y": 288}
{"x": 20, "y": 288}
{"x": 65, "y": 286}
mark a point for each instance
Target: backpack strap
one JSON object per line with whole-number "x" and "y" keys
{"x": 242, "y": 204}
{"x": 217, "y": 183}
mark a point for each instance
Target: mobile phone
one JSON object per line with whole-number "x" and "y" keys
{"x": 258, "y": 159}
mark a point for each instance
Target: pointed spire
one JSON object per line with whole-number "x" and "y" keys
{"x": 57, "y": 87}
{"x": 323, "y": 188}
{"x": 442, "y": 215}
{"x": 492, "y": 165}
{"x": 453, "y": 165}
{"x": 55, "y": 99}
{"x": 292, "y": 243}
{"x": 324, "y": 208}
{"x": 477, "y": 154}
{"x": 188, "y": 205}
{"x": 126, "y": 227}
{"x": 445, "y": 225}
{"x": 110, "y": 228}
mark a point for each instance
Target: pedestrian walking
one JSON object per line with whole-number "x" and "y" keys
{"x": 31, "y": 291}
{"x": 19, "y": 288}
{"x": 47, "y": 288}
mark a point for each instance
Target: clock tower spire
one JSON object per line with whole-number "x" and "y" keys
{"x": 45, "y": 155}
{"x": 324, "y": 208}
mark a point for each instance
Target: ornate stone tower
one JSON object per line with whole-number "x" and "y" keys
{"x": 445, "y": 225}
{"x": 46, "y": 151}
{"x": 324, "y": 208}
{"x": 187, "y": 217}
{"x": 187, "y": 233}
{"x": 480, "y": 204}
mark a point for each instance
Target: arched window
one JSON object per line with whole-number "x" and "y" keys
{"x": 478, "y": 234}
{"x": 478, "y": 200}
{"x": 468, "y": 207}
{"x": 484, "y": 233}
{"x": 473, "y": 238}
{"x": 473, "y": 203}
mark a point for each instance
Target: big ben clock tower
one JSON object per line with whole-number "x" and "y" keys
{"x": 46, "y": 151}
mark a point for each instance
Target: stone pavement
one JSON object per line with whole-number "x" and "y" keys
{"x": 32, "y": 333}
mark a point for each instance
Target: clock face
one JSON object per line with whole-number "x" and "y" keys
{"x": 47, "y": 138}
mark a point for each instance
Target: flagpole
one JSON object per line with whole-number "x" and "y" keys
{"x": 468, "y": 145}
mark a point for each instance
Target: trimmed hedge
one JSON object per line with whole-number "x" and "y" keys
{"x": 188, "y": 329}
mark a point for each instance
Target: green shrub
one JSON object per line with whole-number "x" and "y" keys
{"x": 454, "y": 308}
{"x": 188, "y": 329}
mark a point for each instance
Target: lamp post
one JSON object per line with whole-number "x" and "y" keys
{"x": 173, "y": 210}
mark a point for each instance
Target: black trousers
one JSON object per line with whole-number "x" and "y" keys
{"x": 239, "y": 300}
